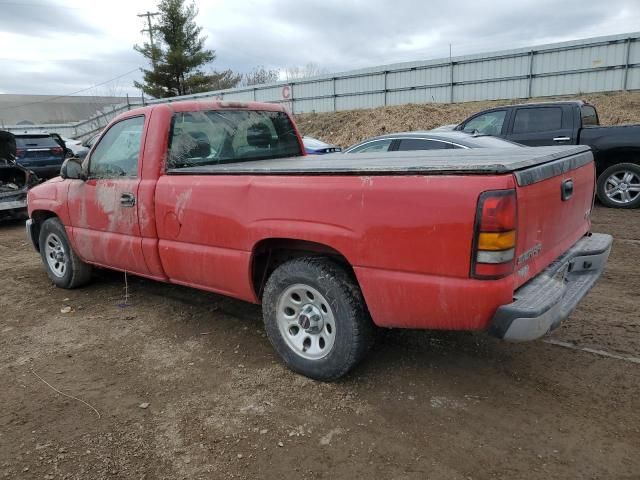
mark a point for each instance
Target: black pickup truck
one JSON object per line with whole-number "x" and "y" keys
{"x": 616, "y": 149}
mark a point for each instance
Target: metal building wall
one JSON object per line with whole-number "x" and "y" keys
{"x": 582, "y": 66}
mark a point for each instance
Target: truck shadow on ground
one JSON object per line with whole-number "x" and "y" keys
{"x": 185, "y": 312}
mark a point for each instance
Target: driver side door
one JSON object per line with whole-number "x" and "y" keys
{"x": 103, "y": 209}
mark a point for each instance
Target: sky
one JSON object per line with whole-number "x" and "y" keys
{"x": 58, "y": 47}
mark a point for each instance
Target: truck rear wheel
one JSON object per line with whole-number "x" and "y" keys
{"x": 316, "y": 318}
{"x": 619, "y": 186}
{"x": 63, "y": 266}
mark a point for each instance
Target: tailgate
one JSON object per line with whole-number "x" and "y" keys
{"x": 554, "y": 206}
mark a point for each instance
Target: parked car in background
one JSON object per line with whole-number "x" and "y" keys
{"x": 91, "y": 140}
{"x": 428, "y": 140}
{"x": 313, "y": 146}
{"x": 616, "y": 149}
{"x": 15, "y": 180}
{"x": 40, "y": 153}
{"x": 444, "y": 128}
{"x": 76, "y": 147}
{"x": 83, "y": 148}
{"x": 61, "y": 141}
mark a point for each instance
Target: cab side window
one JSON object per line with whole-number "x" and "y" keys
{"x": 530, "y": 120}
{"x": 375, "y": 146}
{"x": 422, "y": 144}
{"x": 118, "y": 152}
{"x": 486, "y": 124}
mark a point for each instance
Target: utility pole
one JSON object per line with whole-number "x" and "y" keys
{"x": 451, "y": 64}
{"x": 149, "y": 14}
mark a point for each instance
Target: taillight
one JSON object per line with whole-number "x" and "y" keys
{"x": 20, "y": 152}
{"x": 57, "y": 150}
{"x": 494, "y": 241}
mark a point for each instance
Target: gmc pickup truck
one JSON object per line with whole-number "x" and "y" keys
{"x": 616, "y": 149}
{"x": 220, "y": 197}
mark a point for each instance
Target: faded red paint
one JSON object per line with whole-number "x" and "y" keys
{"x": 408, "y": 238}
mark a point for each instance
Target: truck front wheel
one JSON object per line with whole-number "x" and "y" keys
{"x": 316, "y": 318}
{"x": 619, "y": 186}
{"x": 63, "y": 266}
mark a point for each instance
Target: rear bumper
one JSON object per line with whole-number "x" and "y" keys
{"x": 545, "y": 301}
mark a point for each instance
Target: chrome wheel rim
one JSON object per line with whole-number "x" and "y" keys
{"x": 622, "y": 187}
{"x": 306, "y": 321}
{"x": 55, "y": 254}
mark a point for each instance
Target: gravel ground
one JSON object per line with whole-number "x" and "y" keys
{"x": 185, "y": 385}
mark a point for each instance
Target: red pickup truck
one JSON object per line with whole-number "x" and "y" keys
{"x": 219, "y": 196}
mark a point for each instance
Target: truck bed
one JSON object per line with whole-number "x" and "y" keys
{"x": 445, "y": 162}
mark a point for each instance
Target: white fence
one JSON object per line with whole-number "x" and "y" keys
{"x": 583, "y": 66}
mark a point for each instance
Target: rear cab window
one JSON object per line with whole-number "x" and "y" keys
{"x": 35, "y": 141}
{"x": 589, "y": 116}
{"x": 543, "y": 119}
{"x": 230, "y": 136}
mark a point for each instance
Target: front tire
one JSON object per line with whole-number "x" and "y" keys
{"x": 316, "y": 318}
{"x": 619, "y": 186}
{"x": 63, "y": 266}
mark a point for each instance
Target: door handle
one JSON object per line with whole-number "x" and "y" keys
{"x": 127, "y": 200}
{"x": 562, "y": 139}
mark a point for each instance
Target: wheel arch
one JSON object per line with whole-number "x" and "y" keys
{"x": 269, "y": 253}
{"x": 38, "y": 217}
{"x": 608, "y": 158}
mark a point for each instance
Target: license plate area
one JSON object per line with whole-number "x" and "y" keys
{"x": 586, "y": 263}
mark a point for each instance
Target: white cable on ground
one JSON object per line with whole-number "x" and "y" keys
{"x": 602, "y": 353}
{"x": 64, "y": 394}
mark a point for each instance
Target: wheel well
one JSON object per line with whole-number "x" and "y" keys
{"x": 612, "y": 157}
{"x": 270, "y": 253}
{"x": 38, "y": 217}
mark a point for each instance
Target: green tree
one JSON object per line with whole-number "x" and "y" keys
{"x": 178, "y": 55}
{"x": 225, "y": 79}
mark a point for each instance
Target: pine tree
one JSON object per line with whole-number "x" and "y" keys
{"x": 178, "y": 55}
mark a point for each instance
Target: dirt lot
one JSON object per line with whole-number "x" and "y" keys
{"x": 349, "y": 127}
{"x": 423, "y": 405}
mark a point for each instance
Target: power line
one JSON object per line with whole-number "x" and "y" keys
{"x": 72, "y": 93}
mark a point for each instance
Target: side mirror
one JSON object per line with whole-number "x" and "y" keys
{"x": 72, "y": 168}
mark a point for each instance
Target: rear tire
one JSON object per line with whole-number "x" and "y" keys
{"x": 619, "y": 186}
{"x": 63, "y": 266}
{"x": 316, "y": 318}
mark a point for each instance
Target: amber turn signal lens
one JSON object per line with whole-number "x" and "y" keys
{"x": 496, "y": 241}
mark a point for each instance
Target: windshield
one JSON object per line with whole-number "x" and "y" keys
{"x": 229, "y": 136}
{"x": 314, "y": 143}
